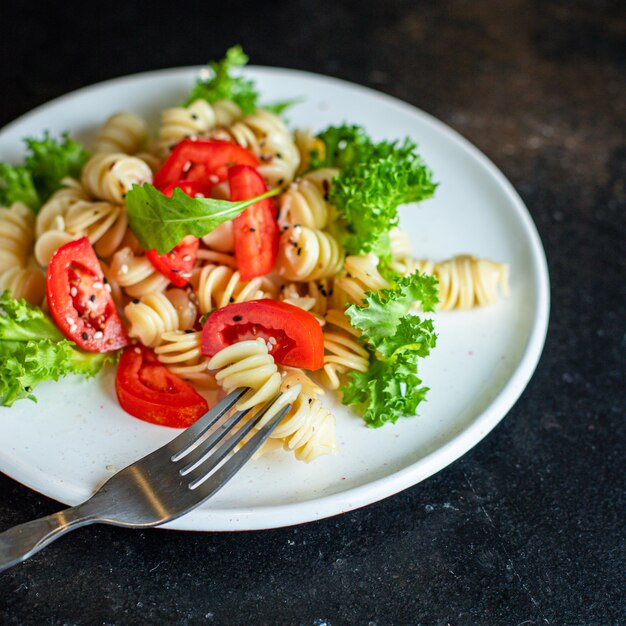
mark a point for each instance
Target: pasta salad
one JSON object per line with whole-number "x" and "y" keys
{"x": 225, "y": 250}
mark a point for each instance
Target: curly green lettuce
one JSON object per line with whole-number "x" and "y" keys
{"x": 374, "y": 179}
{"x": 32, "y": 350}
{"x": 48, "y": 161}
{"x": 396, "y": 340}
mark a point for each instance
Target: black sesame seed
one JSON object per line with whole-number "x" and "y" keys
{"x": 231, "y": 299}
{"x": 237, "y": 318}
{"x": 136, "y": 301}
{"x": 299, "y": 251}
{"x": 252, "y": 230}
{"x": 92, "y": 297}
{"x": 85, "y": 336}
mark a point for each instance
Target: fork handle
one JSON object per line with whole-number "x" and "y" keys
{"x": 20, "y": 542}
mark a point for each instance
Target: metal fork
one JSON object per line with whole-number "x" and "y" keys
{"x": 160, "y": 487}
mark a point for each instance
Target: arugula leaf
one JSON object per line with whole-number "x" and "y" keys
{"x": 382, "y": 312}
{"x": 161, "y": 222}
{"x": 16, "y": 185}
{"x": 374, "y": 179}
{"x": 280, "y": 107}
{"x": 50, "y": 161}
{"x": 33, "y": 349}
{"x": 221, "y": 85}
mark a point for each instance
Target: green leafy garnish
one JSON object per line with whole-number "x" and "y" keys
{"x": 48, "y": 162}
{"x": 16, "y": 185}
{"x": 280, "y": 107}
{"x": 391, "y": 387}
{"x": 32, "y": 349}
{"x": 161, "y": 222}
{"x": 220, "y": 84}
{"x": 374, "y": 179}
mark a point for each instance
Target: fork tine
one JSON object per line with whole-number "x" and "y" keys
{"x": 211, "y": 459}
{"x": 214, "y": 483}
{"x": 197, "y": 454}
{"x": 181, "y": 445}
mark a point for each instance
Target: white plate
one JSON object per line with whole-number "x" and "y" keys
{"x": 63, "y": 445}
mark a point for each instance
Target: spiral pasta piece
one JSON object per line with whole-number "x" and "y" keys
{"x": 123, "y": 132}
{"x": 343, "y": 354}
{"x": 135, "y": 274}
{"x": 361, "y": 275}
{"x": 306, "y": 254}
{"x": 308, "y": 144}
{"x": 219, "y": 285}
{"x": 150, "y": 317}
{"x": 186, "y": 304}
{"x": 303, "y": 203}
{"x": 312, "y": 296}
{"x": 181, "y": 352}
{"x": 247, "y": 364}
{"x": 103, "y": 223}
{"x": 466, "y": 281}
{"x": 110, "y": 176}
{"x": 24, "y": 283}
{"x": 16, "y": 235}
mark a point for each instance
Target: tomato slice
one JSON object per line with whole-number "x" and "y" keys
{"x": 177, "y": 264}
{"x": 205, "y": 160}
{"x": 79, "y": 301}
{"x": 255, "y": 231}
{"x": 294, "y": 336}
{"x": 148, "y": 390}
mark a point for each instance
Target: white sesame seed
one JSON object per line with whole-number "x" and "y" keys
{"x": 97, "y": 285}
{"x": 108, "y": 287}
{"x": 98, "y": 334}
{"x": 69, "y": 319}
{"x": 73, "y": 328}
{"x": 214, "y": 179}
{"x": 187, "y": 257}
{"x": 138, "y": 350}
{"x": 124, "y": 269}
{"x": 73, "y": 292}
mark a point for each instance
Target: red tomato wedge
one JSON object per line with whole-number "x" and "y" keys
{"x": 177, "y": 264}
{"x": 79, "y": 300}
{"x": 255, "y": 231}
{"x": 205, "y": 160}
{"x": 294, "y": 336}
{"x": 148, "y": 390}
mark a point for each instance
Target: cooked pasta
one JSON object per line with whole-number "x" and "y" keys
{"x": 110, "y": 176}
{"x": 186, "y": 304}
{"x": 343, "y": 353}
{"x": 16, "y": 235}
{"x": 361, "y": 275}
{"x": 219, "y": 285}
{"x": 306, "y": 254}
{"x": 307, "y": 144}
{"x": 149, "y": 317}
{"x": 180, "y": 351}
{"x": 247, "y": 364}
{"x": 466, "y": 281}
{"x": 24, "y": 283}
{"x": 123, "y": 132}
{"x": 312, "y": 296}
{"x": 135, "y": 274}
{"x": 303, "y": 203}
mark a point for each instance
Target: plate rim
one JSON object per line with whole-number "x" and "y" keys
{"x": 277, "y": 516}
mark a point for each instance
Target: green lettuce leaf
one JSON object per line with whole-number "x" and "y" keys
{"x": 395, "y": 339}
{"x": 161, "y": 222}
{"x": 32, "y": 350}
{"x": 382, "y": 311}
{"x": 374, "y": 179}
{"x": 220, "y": 84}
{"x": 16, "y": 185}
{"x": 50, "y": 160}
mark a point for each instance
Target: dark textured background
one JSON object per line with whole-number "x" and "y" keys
{"x": 528, "y": 527}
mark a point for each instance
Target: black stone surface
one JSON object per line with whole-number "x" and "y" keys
{"x": 528, "y": 527}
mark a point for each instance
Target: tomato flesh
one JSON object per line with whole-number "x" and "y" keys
{"x": 294, "y": 337}
{"x": 79, "y": 301}
{"x": 256, "y": 233}
{"x": 177, "y": 264}
{"x": 204, "y": 160}
{"x": 149, "y": 391}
